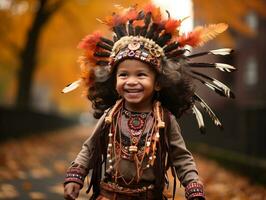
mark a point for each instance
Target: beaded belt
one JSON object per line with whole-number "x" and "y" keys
{"x": 113, "y": 187}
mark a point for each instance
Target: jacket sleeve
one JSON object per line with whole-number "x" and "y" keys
{"x": 86, "y": 156}
{"x": 182, "y": 159}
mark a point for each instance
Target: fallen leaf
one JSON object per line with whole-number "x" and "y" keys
{"x": 40, "y": 172}
{"x": 58, "y": 189}
{"x": 37, "y": 196}
{"x": 27, "y": 185}
{"x": 60, "y": 166}
{"x": 8, "y": 191}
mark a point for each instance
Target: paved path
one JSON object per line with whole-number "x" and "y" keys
{"x": 34, "y": 167}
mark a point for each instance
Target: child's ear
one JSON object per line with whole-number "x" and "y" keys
{"x": 157, "y": 87}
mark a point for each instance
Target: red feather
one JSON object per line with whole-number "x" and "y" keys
{"x": 90, "y": 41}
{"x": 191, "y": 39}
{"x": 131, "y": 14}
{"x": 155, "y": 11}
{"x": 171, "y": 25}
{"x": 150, "y": 7}
{"x": 140, "y": 23}
{"x": 90, "y": 56}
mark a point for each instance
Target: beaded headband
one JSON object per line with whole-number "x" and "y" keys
{"x": 137, "y": 47}
{"x": 145, "y": 35}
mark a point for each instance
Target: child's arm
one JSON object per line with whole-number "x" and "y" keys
{"x": 184, "y": 163}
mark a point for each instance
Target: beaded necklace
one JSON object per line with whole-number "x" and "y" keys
{"x": 136, "y": 124}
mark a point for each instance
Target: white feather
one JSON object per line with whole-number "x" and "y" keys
{"x": 223, "y": 86}
{"x": 72, "y": 86}
{"x": 224, "y": 67}
{"x": 209, "y": 86}
{"x": 198, "y": 116}
{"x": 209, "y": 111}
{"x": 224, "y": 51}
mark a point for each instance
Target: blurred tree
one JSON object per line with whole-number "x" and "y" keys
{"x": 28, "y": 54}
{"x": 29, "y": 42}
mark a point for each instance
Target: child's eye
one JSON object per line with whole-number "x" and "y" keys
{"x": 122, "y": 74}
{"x": 142, "y": 74}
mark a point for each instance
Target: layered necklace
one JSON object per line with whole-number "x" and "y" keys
{"x": 135, "y": 124}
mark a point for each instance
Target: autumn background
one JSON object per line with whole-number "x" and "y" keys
{"x": 41, "y": 129}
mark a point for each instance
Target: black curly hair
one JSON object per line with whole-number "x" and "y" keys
{"x": 176, "y": 92}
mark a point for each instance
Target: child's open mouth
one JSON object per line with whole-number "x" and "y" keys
{"x": 133, "y": 90}
{"x": 133, "y": 93}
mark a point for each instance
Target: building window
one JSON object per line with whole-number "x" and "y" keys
{"x": 251, "y": 72}
{"x": 252, "y": 21}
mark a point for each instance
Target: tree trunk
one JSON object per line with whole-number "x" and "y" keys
{"x": 28, "y": 56}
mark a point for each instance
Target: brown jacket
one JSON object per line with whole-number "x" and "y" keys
{"x": 182, "y": 159}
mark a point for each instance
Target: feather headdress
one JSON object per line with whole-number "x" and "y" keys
{"x": 144, "y": 34}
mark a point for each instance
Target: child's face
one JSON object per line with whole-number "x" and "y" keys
{"x": 135, "y": 82}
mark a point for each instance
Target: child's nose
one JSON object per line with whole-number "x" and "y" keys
{"x": 132, "y": 81}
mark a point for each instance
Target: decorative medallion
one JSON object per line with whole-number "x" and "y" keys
{"x": 134, "y": 45}
{"x": 135, "y": 123}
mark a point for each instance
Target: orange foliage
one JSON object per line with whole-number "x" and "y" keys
{"x": 231, "y": 12}
{"x": 114, "y": 20}
{"x": 57, "y": 53}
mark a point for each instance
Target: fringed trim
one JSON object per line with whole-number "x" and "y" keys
{"x": 158, "y": 113}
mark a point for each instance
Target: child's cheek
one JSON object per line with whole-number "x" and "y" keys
{"x": 118, "y": 87}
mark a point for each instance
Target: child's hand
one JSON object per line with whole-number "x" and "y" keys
{"x": 71, "y": 191}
